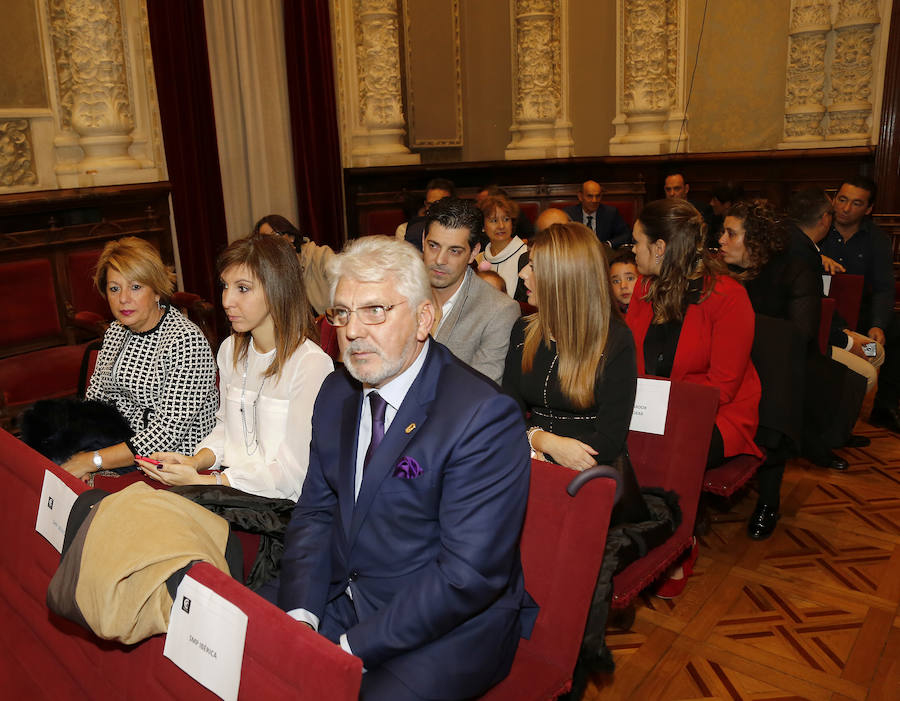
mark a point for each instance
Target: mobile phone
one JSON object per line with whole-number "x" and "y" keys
{"x": 869, "y": 349}
{"x": 150, "y": 460}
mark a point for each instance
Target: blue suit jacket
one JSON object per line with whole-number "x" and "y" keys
{"x": 432, "y": 562}
{"x": 610, "y": 225}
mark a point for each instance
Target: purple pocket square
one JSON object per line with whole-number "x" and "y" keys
{"x": 407, "y": 469}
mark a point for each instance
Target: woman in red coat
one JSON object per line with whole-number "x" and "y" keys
{"x": 691, "y": 322}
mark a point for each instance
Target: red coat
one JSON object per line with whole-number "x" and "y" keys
{"x": 713, "y": 349}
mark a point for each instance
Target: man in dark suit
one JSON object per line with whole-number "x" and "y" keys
{"x": 403, "y": 547}
{"x": 600, "y": 218}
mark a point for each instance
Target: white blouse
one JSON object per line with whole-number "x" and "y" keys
{"x": 266, "y": 448}
{"x": 506, "y": 263}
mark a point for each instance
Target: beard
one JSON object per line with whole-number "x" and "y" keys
{"x": 373, "y": 373}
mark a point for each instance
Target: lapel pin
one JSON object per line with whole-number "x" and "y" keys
{"x": 410, "y": 428}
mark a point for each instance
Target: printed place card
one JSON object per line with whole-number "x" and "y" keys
{"x": 53, "y": 511}
{"x": 206, "y": 638}
{"x": 651, "y": 404}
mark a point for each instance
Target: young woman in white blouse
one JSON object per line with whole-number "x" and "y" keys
{"x": 270, "y": 371}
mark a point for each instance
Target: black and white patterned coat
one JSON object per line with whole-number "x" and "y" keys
{"x": 163, "y": 381}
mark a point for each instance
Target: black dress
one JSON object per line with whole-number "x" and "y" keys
{"x": 603, "y": 426}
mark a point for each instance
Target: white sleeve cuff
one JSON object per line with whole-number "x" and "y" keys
{"x": 305, "y": 616}
{"x": 849, "y": 342}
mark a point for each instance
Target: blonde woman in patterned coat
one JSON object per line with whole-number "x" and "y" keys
{"x": 155, "y": 366}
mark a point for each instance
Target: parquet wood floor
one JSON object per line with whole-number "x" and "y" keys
{"x": 811, "y": 613}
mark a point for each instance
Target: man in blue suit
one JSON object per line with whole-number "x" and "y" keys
{"x": 603, "y": 219}
{"x": 403, "y": 547}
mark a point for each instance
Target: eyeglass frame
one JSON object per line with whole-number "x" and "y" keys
{"x": 331, "y": 311}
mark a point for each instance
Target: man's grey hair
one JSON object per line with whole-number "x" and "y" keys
{"x": 380, "y": 259}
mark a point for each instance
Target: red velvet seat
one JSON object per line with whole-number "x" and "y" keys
{"x": 39, "y": 364}
{"x": 733, "y": 474}
{"x": 828, "y": 308}
{"x": 83, "y": 294}
{"x": 531, "y": 209}
{"x": 45, "y": 657}
{"x": 674, "y": 461}
{"x": 328, "y": 338}
{"x": 382, "y": 221}
{"x": 847, "y": 290}
{"x": 562, "y": 547}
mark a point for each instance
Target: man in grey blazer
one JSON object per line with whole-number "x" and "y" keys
{"x": 474, "y": 319}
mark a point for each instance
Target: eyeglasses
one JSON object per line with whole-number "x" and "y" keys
{"x": 371, "y": 315}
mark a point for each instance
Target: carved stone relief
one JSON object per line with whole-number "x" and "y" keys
{"x": 541, "y": 127}
{"x": 90, "y": 64}
{"x": 651, "y": 117}
{"x": 852, "y": 70}
{"x": 805, "y": 85}
{"x": 367, "y": 72}
{"x": 16, "y": 154}
{"x": 537, "y": 59}
{"x": 378, "y": 63}
{"x": 830, "y": 99}
{"x": 647, "y": 83}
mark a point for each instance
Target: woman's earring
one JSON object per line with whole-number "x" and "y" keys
{"x": 657, "y": 257}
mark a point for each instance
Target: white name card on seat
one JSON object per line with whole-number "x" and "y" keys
{"x": 826, "y": 284}
{"x": 206, "y": 638}
{"x": 651, "y": 404}
{"x": 53, "y": 511}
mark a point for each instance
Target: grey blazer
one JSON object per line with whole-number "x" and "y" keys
{"x": 477, "y": 329}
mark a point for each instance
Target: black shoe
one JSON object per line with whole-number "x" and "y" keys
{"x": 827, "y": 459}
{"x": 886, "y": 418}
{"x": 857, "y": 441}
{"x": 762, "y": 522}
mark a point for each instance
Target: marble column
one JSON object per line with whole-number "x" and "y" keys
{"x": 650, "y": 78}
{"x": 804, "y": 103}
{"x": 541, "y": 125}
{"x": 367, "y": 67}
{"x": 852, "y": 71}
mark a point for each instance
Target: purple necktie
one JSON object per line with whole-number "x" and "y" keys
{"x": 378, "y": 406}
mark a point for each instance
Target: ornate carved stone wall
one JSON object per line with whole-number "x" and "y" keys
{"x": 831, "y": 73}
{"x": 367, "y": 66}
{"x": 850, "y": 108}
{"x": 541, "y": 126}
{"x": 650, "y": 76}
{"x": 16, "y": 154}
{"x": 805, "y": 89}
{"x": 101, "y": 126}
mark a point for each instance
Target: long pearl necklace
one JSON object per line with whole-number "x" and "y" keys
{"x": 251, "y": 436}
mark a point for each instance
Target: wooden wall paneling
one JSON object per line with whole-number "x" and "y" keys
{"x": 887, "y": 155}
{"x": 770, "y": 174}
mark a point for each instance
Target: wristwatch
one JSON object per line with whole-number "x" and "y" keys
{"x": 97, "y": 459}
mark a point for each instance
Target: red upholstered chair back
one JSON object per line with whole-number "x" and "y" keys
{"x": 84, "y": 295}
{"x": 626, "y": 209}
{"x": 328, "y": 338}
{"x": 382, "y": 221}
{"x": 847, "y": 290}
{"x": 562, "y": 546}
{"x": 29, "y": 311}
{"x": 828, "y": 307}
{"x": 43, "y": 656}
{"x": 531, "y": 209}
{"x": 674, "y": 461}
